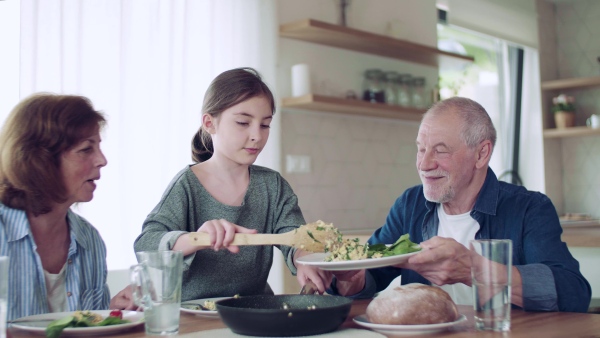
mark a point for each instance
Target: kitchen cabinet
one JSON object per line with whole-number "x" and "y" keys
{"x": 567, "y": 84}
{"x": 324, "y": 33}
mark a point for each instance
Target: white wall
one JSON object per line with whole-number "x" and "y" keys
{"x": 514, "y": 21}
{"x": 511, "y": 20}
{"x": 9, "y": 56}
{"x": 588, "y": 265}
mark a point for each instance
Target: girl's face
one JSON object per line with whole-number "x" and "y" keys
{"x": 241, "y": 131}
{"x": 80, "y": 167}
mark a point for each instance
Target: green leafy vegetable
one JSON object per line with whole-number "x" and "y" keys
{"x": 55, "y": 328}
{"x": 402, "y": 246}
{"x": 112, "y": 321}
{"x": 312, "y": 236}
{"x": 80, "y": 319}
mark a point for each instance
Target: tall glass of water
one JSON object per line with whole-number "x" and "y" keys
{"x": 156, "y": 284}
{"x": 491, "y": 266}
{"x": 3, "y": 294}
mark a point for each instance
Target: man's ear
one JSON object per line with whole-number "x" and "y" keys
{"x": 208, "y": 123}
{"x": 484, "y": 154}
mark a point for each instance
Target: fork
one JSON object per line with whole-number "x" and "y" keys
{"x": 309, "y": 288}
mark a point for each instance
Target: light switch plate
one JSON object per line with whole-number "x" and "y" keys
{"x": 297, "y": 164}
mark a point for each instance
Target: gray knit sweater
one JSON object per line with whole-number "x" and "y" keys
{"x": 270, "y": 206}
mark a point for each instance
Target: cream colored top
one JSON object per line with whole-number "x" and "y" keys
{"x": 56, "y": 289}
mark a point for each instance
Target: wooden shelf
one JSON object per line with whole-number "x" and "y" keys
{"x": 570, "y": 132}
{"x": 353, "y": 39}
{"x": 571, "y": 83}
{"x": 322, "y": 103}
{"x": 582, "y": 237}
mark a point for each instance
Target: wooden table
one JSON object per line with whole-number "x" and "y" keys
{"x": 523, "y": 324}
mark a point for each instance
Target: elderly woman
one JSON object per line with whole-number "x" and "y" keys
{"x": 50, "y": 159}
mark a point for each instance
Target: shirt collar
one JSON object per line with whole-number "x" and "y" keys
{"x": 20, "y": 228}
{"x": 76, "y": 228}
{"x": 20, "y": 223}
{"x": 487, "y": 200}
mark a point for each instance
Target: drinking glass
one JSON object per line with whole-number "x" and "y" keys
{"x": 491, "y": 265}
{"x": 156, "y": 284}
{"x": 3, "y": 294}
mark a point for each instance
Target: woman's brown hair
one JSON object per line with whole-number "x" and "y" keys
{"x": 226, "y": 90}
{"x": 37, "y": 131}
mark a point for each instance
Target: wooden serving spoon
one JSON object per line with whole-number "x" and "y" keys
{"x": 313, "y": 237}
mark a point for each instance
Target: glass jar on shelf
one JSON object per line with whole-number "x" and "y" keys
{"x": 435, "y": 93}
{"x": 373, "y": 90}
{"x": 419, "y": 96}
{"x": 403, "y": 97}
{"x": 391, "y": 87}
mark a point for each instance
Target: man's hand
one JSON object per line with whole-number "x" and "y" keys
{"x": 442, "y": 261}
{"x": 350, "y": 282}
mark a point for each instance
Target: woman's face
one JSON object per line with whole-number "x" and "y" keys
{"x": 241, "y": 131}
{"x": 80, "y": 167}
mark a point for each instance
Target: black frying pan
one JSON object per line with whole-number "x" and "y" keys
{"x": 266, "y": 315}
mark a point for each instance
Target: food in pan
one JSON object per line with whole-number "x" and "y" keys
{"x": 210, "y": 305}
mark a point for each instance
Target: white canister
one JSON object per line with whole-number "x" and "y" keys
{"x": 300, "y": 80}
{"x": 593, "y": 121}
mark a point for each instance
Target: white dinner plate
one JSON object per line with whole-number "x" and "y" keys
{"x": 188, "y": 307}
{"x": 406, "y": 329}
{"x": 38, "y": 324}
{"x": 318, "y": 260}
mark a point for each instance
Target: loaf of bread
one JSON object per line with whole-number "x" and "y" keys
{"x": 412, "y": 304}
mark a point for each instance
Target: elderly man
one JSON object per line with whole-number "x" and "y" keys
{"x": 461, "y": 199}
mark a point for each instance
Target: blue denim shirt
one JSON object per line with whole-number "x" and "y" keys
{"x": 551, "y": 277}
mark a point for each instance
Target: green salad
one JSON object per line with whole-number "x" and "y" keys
{"x": 84, "y": 319}
{"x": 351, "y": 249}
{"x": 402, "y": 246}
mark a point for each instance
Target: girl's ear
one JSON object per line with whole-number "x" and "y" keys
{"x": 208, "y": 123}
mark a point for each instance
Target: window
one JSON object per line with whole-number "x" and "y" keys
{"x": 495, "y": 80}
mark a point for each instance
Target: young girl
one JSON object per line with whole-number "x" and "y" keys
{"x": 224, "y": 194}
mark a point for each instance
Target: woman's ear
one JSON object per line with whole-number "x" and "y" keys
{"x": 208, "y": 123}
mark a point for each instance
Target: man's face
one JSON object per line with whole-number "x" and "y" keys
{"x": 445, "y": 164}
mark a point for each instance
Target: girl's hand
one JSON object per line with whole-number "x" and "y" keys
{"x": 221, "y": 235}
{"x": 222, "y": 232}
{"x": 320, "y": 278}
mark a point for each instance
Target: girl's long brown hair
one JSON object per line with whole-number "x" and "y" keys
{"x": 226, "y": 90}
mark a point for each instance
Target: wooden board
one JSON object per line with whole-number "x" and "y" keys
{"x": 361, "y": 41}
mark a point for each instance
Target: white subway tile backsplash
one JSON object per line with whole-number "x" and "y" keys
{"x": 359, "y": 166}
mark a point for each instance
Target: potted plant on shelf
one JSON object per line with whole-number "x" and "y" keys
{"x": 564, "y": 111}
